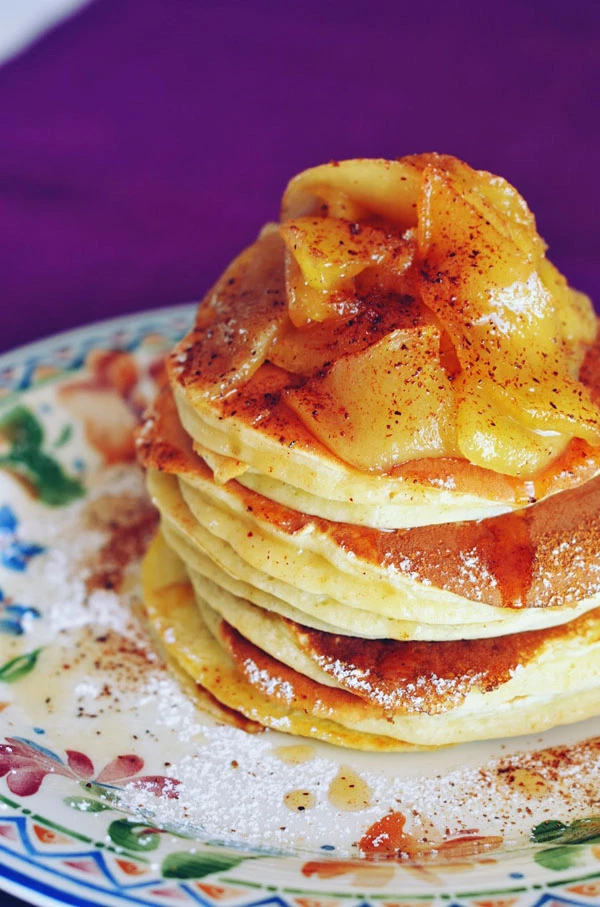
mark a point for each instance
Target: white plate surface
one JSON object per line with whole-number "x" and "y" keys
{"x": 115, "y": 790}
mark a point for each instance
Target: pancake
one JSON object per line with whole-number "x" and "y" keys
{"x": 376, "y": 458}
{"x": 189, "y": 644}
{"x": 275, "y": 455}
{"x": 516, "y": 572}
{"x": 559, "y": 684}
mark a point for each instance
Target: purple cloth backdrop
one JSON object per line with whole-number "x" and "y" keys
{"x": 144, "y": 142}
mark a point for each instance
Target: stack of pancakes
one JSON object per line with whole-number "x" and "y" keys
{"x": 369, "y": 534}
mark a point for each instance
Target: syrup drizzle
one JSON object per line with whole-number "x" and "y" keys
{"x": 509, "y": 553}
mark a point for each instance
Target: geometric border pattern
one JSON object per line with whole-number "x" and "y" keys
{"x": 83, "y": 876}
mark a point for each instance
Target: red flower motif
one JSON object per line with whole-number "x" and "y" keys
{"x": 26, "y": 764}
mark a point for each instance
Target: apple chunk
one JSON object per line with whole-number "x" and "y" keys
{"x": 325, "y": 254}
{"x": 314, "y": 347}
{"x": 236, "y": 323}
{"x": 360, "y": 189}
{"x": 490, "y": 437}
{"x": 387, "y": 404}
{"x": 481, "y": 279}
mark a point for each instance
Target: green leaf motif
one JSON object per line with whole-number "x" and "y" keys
{"x": 548, "y": 831}
{"x": 558, "y": 858}
{"x": 21, "y": 429}
{"x": 568, "y": 853}
{"x": 579, "y": 832}
{"x": 53, "y": 486}
{"x": 65, "y": 435}
{"x": 26, "y": 458}
{"x": 134, "y": 836}
{"x": 19, "y": 667}
{"x": 105, "y": 793}
{"x": 182, "y": 865}
{"x": 86, "y": 804}
{"x": 587, "y": 830}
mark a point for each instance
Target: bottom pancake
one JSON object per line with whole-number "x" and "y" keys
{"x": 559, "y": 684}
{"x": 189, "y": 645}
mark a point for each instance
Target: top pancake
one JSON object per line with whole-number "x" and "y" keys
{"x": 252, "y": 435}
{"x": 334, "y": 370}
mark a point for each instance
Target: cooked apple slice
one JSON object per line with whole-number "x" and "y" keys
{"x": 310, "y": 305}
{"x": 390, "y": 403}
{"x": 325, "y": 254}
{"x": 489, "y": 437}
{"x": 236, "y": 323}
{"x": 503, "y": 321}
{"x": 358, "y": 189}
{"x": 497, "y": 201}
{"x": 577, "y": 317}
{"x": 313, "y": 347}
{"x": 331, "y": 251}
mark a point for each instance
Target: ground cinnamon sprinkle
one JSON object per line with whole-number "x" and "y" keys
{"x": 230, "y": 779}
{"x": 130, "y": 523}
{"x": 450, "y": 804}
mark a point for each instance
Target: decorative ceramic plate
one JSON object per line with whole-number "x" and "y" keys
{"x": 116, "y": 790}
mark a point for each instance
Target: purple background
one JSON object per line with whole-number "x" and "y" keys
{"x": 144, "y": 142}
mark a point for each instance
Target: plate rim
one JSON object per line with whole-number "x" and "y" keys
{"x": 10, "y": 878}
{"x": 41, "y": 345}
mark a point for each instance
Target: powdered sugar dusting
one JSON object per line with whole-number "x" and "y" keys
{"x": 413, "y": 697}
{"x": 269, "y": 684}
{"x": 172, "y": 709}
{"x": 104, "y": 681}
{"x": 233, "y": 781}
{"x": 474, "y": 571}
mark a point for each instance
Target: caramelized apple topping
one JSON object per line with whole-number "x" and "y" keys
{"x": 421, "y": 319}
{"x": 389, "y": 403}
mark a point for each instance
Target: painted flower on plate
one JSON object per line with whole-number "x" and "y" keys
{"x": 15, "y": 553}
{"x": 25, "y": 765}
{"x": 15, "y": 618}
